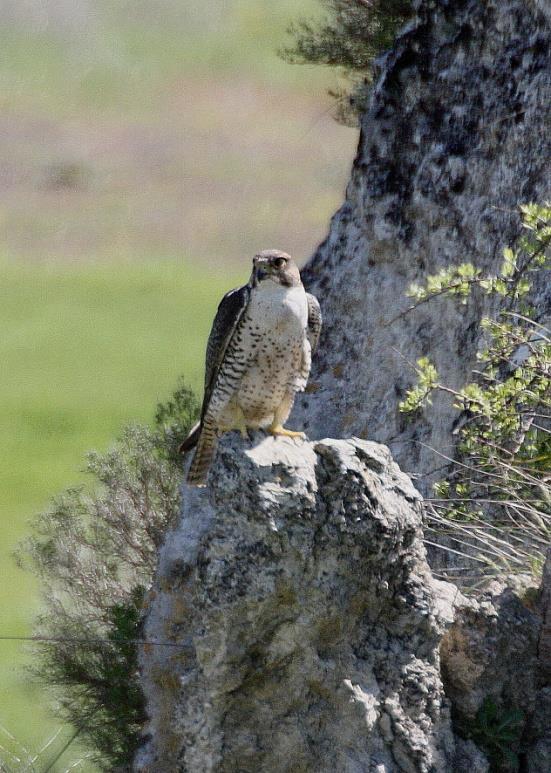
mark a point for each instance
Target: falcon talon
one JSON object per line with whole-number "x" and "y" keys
{"x": 259, "y": 355}
{"x": 277, "y": 430}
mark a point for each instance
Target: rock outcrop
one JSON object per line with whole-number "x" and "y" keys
{"x": 496, "y": 655}
{"x": 491, "y": 641}
{"x": 456, "y": 136}
{"x": 294, "y": 624}
{"x": 298, "y": 621}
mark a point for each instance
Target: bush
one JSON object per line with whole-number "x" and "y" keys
{"x": 95, "y": 554}
{"x": 496, "y": 499}
{"x": 353, "y": 33}
{"x": 498, "y": 732}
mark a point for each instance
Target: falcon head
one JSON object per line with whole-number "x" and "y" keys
{"x": 275, "y": 266}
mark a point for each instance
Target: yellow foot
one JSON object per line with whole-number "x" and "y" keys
{"x": 277, "y": 429}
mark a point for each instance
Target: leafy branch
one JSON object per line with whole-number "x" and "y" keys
{"x": 511, "y": 281}
{"x": 496, "y": 498}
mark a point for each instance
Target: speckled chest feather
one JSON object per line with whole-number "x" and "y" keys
{"x": 269, "y": 353}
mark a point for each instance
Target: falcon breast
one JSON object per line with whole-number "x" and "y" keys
{"x": 258, "y": 357}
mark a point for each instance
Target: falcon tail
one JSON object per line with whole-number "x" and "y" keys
{"x": 191, "y": 440}
{"x": 206, "y": 448}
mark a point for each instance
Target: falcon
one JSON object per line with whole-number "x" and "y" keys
{"x": 258, "y": 357}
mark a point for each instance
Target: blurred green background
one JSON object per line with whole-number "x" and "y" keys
{"x": 148, "y": 149}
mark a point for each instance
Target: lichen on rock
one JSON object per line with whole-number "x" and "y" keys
{"x": 298, "y": 619}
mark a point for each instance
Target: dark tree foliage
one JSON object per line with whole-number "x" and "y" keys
{"x": 95, "y": 554}
{"x": 352, "y": 34}
{"x": 498, "y": 731}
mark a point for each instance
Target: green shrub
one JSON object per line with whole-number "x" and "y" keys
{"x": 498, "y": 732}
{"x": 95, "y": 553}
{"x": 352, "y": 34}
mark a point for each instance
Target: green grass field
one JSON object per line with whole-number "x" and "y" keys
{"x": 131, "y": 132}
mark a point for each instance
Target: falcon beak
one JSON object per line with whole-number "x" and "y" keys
{"x": 260, "y": 266}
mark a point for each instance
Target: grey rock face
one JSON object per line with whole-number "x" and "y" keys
{"x": 455, "y": 138}
{"x": 496, "y": 649}
{"x": 469, "y": 758}
{"x": 299, "y": 620}
{"x": 491, "y": 643}
{"x": 538, "y": 757}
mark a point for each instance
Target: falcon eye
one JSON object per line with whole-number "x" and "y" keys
{"x": 279, "y": 262}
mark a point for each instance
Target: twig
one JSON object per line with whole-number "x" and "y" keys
{"x": 430, "y": 297}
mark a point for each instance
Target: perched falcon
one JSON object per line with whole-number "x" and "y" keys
{"x": 258, "y": 357}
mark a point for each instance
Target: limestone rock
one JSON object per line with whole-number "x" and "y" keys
{"x": 538, "y": 756}
{"x": 456, "y": 136}
{"x": 294, "y": 622}
{"x": 297, "y": 620}
{"x": 496, "y": 649}
{"x": 491, "y": 642}
{"x": 469, "y": 758}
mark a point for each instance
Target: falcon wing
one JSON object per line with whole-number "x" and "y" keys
{"x": 314, "y": 321}
{"x": 230, "y": 310}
